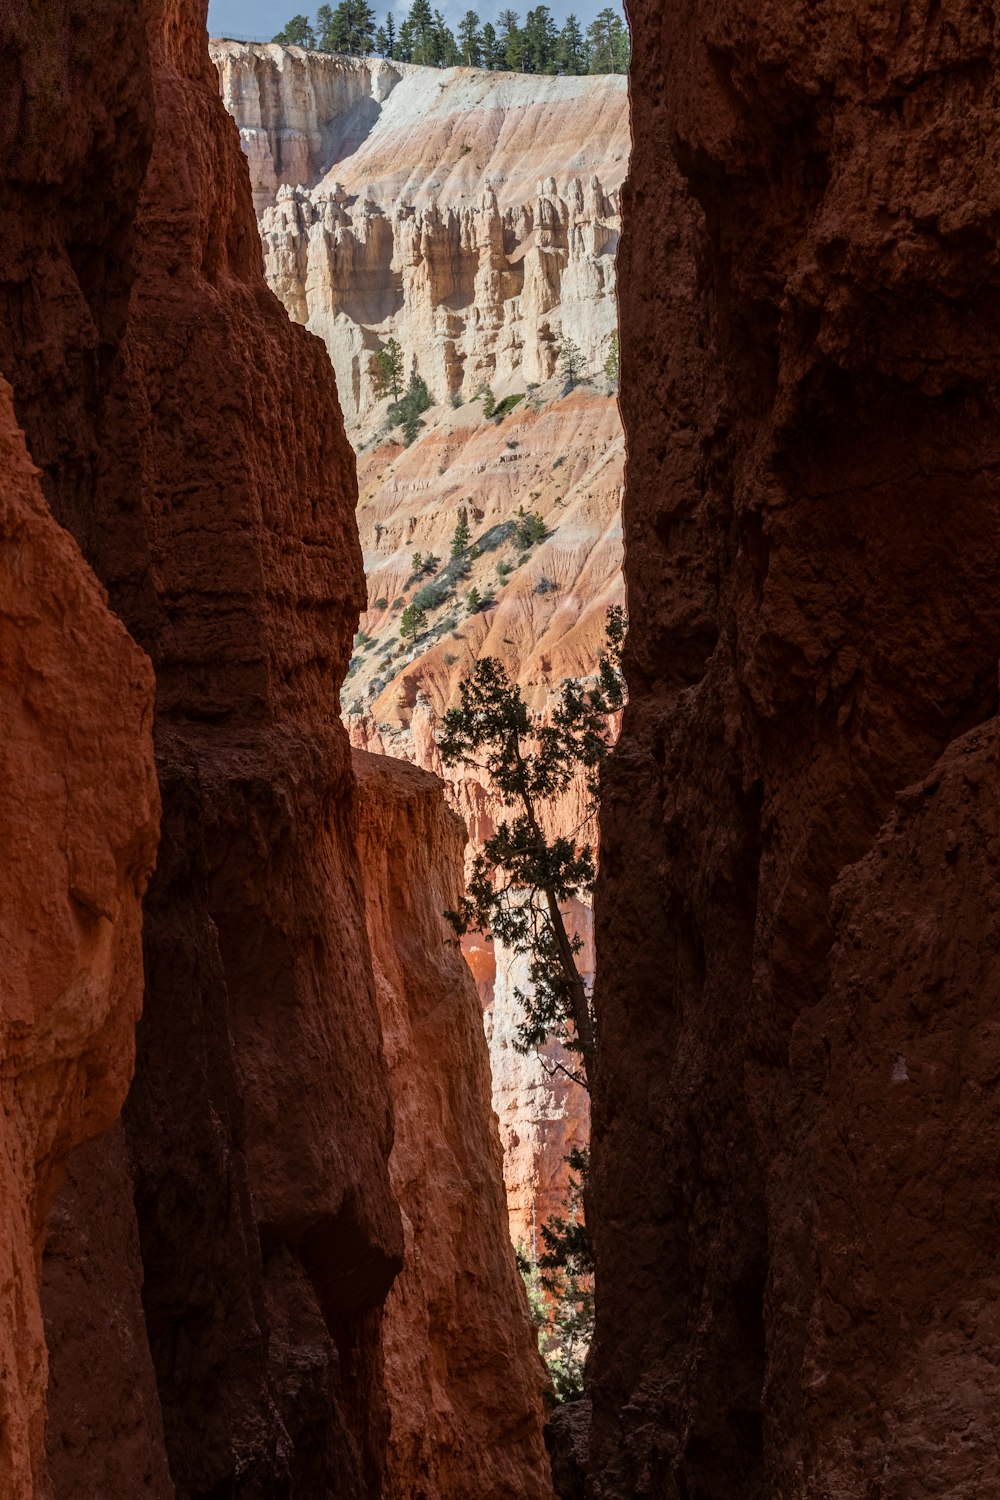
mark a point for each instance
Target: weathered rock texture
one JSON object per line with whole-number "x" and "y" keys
{"x": 462, "y": 1369}
{"x": 220, "y": 517}
{"x": 474, "y": 216}
{"x": 78, "y": 818}
{"x": 796, "y": 1115}
{"x": 258, "y": 1127}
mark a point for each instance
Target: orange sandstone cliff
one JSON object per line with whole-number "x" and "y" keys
{"x": 796, "y": 1122}
{"x": 218, "y": 1267}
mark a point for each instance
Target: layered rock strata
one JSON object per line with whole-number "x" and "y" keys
{"x": 396, "y": 200}
{"x": 795, "y": 1118}
{"x": 463, "y": 1374}
{"x": 76, "y": 698}
{"x": 236, "y": 1243}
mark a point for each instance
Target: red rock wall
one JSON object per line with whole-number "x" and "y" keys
{"x": 104, "y": 1428}
{"x": 463, "y": 1373}
{"x": 796, "y": 1121}
{"x": 78, "y": 818}
{"x": 197, "y": 454}
{"x": 259, "y": 1126}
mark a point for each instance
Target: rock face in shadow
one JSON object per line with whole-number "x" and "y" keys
{"x": 259, "y": 1126}
{"x": 200, "y": 461}
{"x": 104, "y": 1428}
{"x": 78, "y": 820}
{"x": 464, "y": 1376}
{"x": 217, "y": 1264}
{"x": 797, "y": 922}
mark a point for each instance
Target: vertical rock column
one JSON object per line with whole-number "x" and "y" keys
{"x": 795, "y": 1119}
{"x": 259, "y": 1125}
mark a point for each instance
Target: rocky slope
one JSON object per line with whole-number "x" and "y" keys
{"x": 473, "y": 216}
{"x": 544, "y": 618}
{"x": 464, "y": 1378}
{"x": 76, "y": 697}
{"x": 797, "y": 919}
{"x": 217, "y": 1269}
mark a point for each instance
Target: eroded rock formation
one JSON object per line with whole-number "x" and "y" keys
{"x": 464, "y": 1378}
{"x": 797, "y": 920}
{"x": 242, "y": 1223}
{"x": 472, "y": 216}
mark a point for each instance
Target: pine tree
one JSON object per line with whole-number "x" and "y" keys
{"x": 474, "y": 602}
{"x": 470, "y": 40}
{"x": 608, "y": 43}
{"x": 446, "y": 53}
{"x": 348, "y": 29}
{"x": 484, "y": 393}
{"x": 522, "y": 881}
{"x": 421, "y": 25}
{"x": 388, "y": 370}
{"x": 413, "y": 622}
{"x": 571, "y": 51}
{"x": 621, "y": 44}
{"x": 403, "y": 51}
{"x": 298, "y": 33}
{"x": 390, "y": 35}
{"x": 512, "y": 41}
{"x": 324, "y": 29}
{"x": 491, "y": 49}
{"x": 540, "y": 40}
{"x": 611, "y": 370}
{"x": 462, "y": 535}
{"x": 570, "y": 363}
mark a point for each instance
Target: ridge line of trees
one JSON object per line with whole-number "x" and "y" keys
{"x": 537, "y": 46}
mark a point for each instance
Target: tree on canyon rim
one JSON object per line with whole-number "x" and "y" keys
{"x": 349, "y": 28}
{"x": 539, "y": 46}
{"x": 523, "y": 880}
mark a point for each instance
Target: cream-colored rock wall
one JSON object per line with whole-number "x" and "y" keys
{"x": 472, "y": 294}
